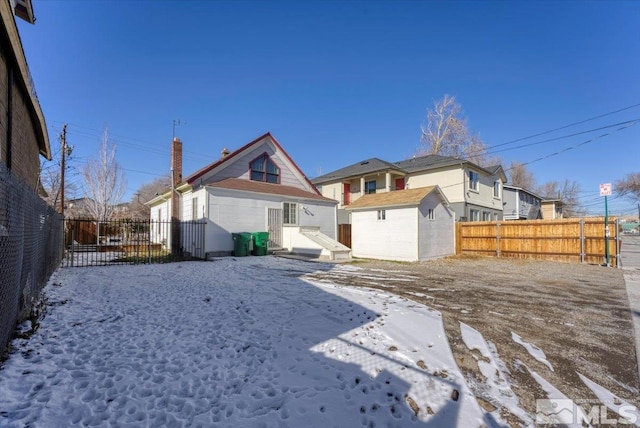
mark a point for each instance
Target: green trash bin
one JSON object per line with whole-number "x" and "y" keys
{"x": 241, "y": 243}
{"x": 260, "y": 243}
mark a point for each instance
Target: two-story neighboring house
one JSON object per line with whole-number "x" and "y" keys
{"x": 520, "y": 204}
{"x": 474, "y": 193}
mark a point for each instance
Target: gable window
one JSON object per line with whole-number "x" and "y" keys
{"x": 370, "y": 187}
{"x": 382, "y": 214}
{"x": 475, "y": 215}
{"x": 263, "y": 169}
{"x": 473, "y": 180}
{"x": 289, "y": 213}
{"x": 496, "y": 189}
{"x": 431, "y": 214}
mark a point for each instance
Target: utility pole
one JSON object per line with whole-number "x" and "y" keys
{"x": 63, "y": 141}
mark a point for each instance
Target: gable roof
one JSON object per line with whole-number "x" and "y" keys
{"x": 269, "y": 188}
{"x": 363, "y": 167}
{"x": 396, "y": 198}
{"x": 193, "y": 177}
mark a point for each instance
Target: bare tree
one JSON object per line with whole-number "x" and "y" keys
{"x": 104, "y": 181}
{"x": 568, "y": 192}
{"x": 147, "y": 192}
{"x": 629, "y": 186}
{"x": 446, "y": 133}
{"x": 520, "y": 176}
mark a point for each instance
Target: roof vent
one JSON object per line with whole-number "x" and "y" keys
{"x": 225, "y": 152}
{"x": 364, "y": 163}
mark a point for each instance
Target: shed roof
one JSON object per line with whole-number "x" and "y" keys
{"x": 396, "y": 198}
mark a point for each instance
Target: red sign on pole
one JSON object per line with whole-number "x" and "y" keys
{"x": 605, "y": 189}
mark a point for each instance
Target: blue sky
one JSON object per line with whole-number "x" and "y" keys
{"x": 338, "y": 82}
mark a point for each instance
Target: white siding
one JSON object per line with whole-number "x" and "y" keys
{"x": 451, "y": 181}
{"x": 231, "y": 212}
{"x": 238, "y": 167}
{"x": 392, "y": 239}
{"x": 437, "y": 236}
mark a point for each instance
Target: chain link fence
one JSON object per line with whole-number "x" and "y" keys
{"x": 31, "y": 248}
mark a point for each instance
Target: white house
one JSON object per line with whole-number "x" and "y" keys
{"x": 255, "y": 188}
{"x": 404, "y": 225}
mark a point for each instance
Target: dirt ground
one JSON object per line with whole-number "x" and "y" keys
{"x": 577, "y": 314}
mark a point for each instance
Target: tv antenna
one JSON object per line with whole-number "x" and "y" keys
{"x": 177, "y": 122}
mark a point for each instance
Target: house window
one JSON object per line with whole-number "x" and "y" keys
{"x": 496, "y": 189}
{"x": 486, "y": 216}
{"x": 289, "y": 213}
{"x": 382, "y": 214}
{"x": 263, "y": 169}
{"x": 475, "y": 215}
{"x": 194, "y": 208}
{"x": 431, "y": 214}
{"x": 473, "y": 180}
{"x": 370, "y": 187}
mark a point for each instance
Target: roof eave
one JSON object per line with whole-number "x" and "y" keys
{"x": 25, "y": 79}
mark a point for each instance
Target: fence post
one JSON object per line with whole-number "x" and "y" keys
{"x": 149, "y": 242}
{"x": 498, "y": 238}
{"x": 73, "y": 238}
{"x": 618, "y": 245}
{"x": 582, "y": 254}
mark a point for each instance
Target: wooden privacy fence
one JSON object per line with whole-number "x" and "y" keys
{"x": 568, "y": 240}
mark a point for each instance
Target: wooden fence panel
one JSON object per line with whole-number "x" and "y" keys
{"x": 567, "y": 240}
{"x": 344, "y": 234}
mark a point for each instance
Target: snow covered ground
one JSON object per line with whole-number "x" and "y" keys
{"x": 241, "y": 343}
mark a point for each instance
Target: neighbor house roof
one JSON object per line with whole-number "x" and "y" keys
{"x": 520, "y": 189}
{"x": 360, "y": 168}
{"x": 269, "y": 188}
{"x": 415, "y": 164}
{"x": 193, "y": 177}
{"x": 396, "y": 198}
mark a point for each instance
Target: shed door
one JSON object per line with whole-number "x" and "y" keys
{"x": 274, "y": 227}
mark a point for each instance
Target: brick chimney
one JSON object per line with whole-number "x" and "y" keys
{"x": 176, "y": 161}
{"x": 176, "y": 179}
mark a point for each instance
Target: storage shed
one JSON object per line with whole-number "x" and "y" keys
{"x": 404, "y": 225}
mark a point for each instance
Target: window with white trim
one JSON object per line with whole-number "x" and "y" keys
{"x": 370, "y": 187}
{"x": 289, "y": 213}
{"x": 194, "y": 208}
{"x": 382, "y": 214}
{"x": 473, "y": 180}
{"x": 474, "y": 215}
{"x": 431, "y": 214}
{"x": 486, "y": 216}
{"x": 496, "y": 189}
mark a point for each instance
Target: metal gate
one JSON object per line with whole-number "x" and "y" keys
{"x": 274, "y": 226}
{"x": 92, "y": 243}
